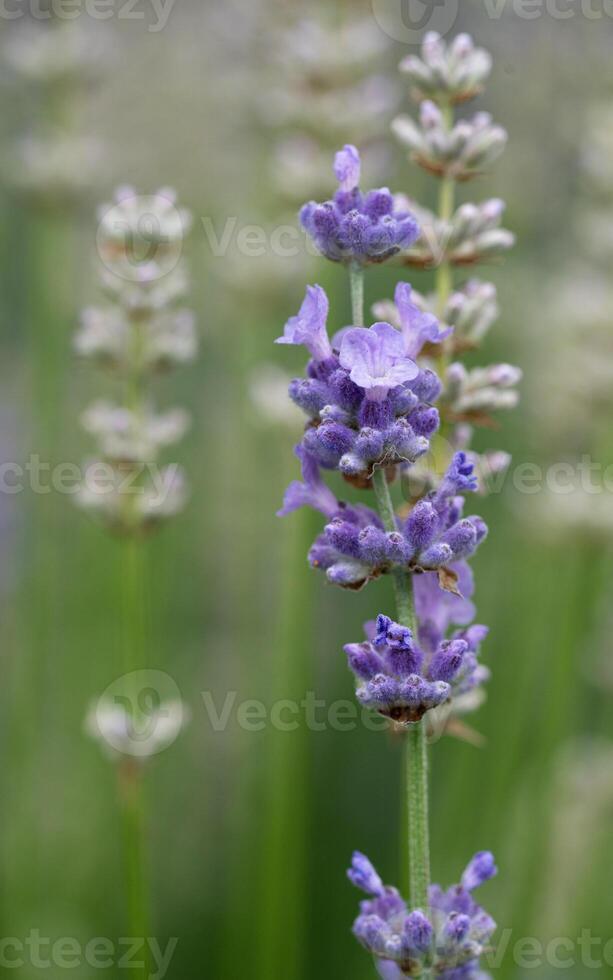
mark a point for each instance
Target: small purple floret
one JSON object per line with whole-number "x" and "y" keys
{"x": 358, "y": 228}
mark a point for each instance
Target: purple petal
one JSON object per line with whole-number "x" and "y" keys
{"x": 347, "y": 167}
{"x": 308, "y": 327}
{"x": 363, "y": 875}
{"x": 418, "y": 328}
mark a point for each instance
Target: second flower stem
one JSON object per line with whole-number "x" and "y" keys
{"x": 416, "y": 746}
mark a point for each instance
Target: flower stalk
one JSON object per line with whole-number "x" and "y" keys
{"x": 373, "y": 404}
{"x": 139, "y": 334}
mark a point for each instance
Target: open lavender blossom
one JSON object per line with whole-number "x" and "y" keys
{"x": 418, "y": 327}
{"x": 433, "y": 537}
{"x": 447, "y": 938}
{"x": 367, "y": 401}
{"x": 402, "y": 680}
{"x": 355, "y": 227}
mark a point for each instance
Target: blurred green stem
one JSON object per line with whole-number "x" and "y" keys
{"x": 131, "y": 787}
{"x": 133, "y": 818}
{"x": 283, "y": 842}
{"x": 416, "y": 747}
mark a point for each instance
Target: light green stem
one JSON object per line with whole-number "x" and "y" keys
{"x": 133, "y": 819}
{"x": 416, "y": 746}
{"x": 131, "y": 787}
{"x": 417, "y": 760}
{"x": 281, "y": 913}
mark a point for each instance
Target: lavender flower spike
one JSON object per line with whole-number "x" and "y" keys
{"x": 308, "y": 327}
{"x": 376, "y": 359}
{"x": 446, "y": 939}
{"x": 356, "y": 228}
{"x": 402, "y": 681}
{"x": 418, "y": 328}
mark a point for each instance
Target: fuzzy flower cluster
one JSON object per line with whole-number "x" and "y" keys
{"x": 447, "y": 938}
{"x": 461, "y": 152}
{"x": 354, "y": 227}
{"x": 473, "y": 234}
{"x": 401, "y": 680}
{"x": 326, "y": 80}
{"x": 447, "y": 73}
{"x": 52, "y": 63}
{"x": 138, "y": 334}
{"x": 354, "y": 546}
{"x": 367, "y": 401}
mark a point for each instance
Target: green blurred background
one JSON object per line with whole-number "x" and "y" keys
{"x": 250, "y": 833}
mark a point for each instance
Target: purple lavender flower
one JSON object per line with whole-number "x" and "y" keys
{"x": 399, "y": 679}
{"x": 354, "y": 546}
{"x": 358, "y": 228}
{"x": 418, "y": 328}
{"x": 308, "y": 327}
{"x": 369, "y": 406}
{"x": 313, "y": 492}
{"x": 447, "y": 939}
{"x": 376, "y": 359}
{"x": 347, "y": 550}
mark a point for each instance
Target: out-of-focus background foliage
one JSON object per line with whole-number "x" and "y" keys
{"x": 239, "y": 107}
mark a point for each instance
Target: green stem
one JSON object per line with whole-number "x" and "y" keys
{"x": 417, "y": 795}
{"x": 131, "y": 787}
{"x": 133, "y": 814}
{"x": 403, "y": 587}
{"x": 416, "y": 744}
{"x": 281, "y": 914}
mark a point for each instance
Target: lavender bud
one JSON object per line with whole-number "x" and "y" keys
{"x": 417, "y": 933}
{"x": 421, "y": 526}
{"x": 447, "y": 660}
{"x": 479, "y": 870}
